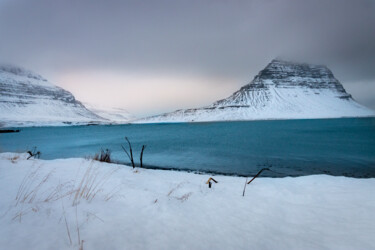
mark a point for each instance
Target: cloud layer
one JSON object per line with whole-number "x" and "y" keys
{"x": 223, "y": 42}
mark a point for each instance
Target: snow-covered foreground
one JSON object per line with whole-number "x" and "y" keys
{"x": 62, "y": 204}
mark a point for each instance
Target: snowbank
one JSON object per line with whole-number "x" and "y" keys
{"x": 119, "y": 208}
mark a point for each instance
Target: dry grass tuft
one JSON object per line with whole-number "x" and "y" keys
{"x": 91, "y": 184}
{"x": 30, "y": 186}
{"x": 60, "y": 191}
{"x": 35, "y": 190}
{"x": 103, "y": 156}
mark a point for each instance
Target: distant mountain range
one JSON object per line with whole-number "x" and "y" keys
{"x": 27, "y": 99}
{"x": 282, "y": 90}
{"x": 112, "y": 114}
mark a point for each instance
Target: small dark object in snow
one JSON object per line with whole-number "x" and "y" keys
{"x": 209, "y": 182}
{"x": 34, "y": 153}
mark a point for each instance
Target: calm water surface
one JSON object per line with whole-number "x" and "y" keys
{"x": 292, "y": 147}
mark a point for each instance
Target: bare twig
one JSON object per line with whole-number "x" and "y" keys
{"x": 244, "y": 188}
{"x": 130, "y": 155}
{"x": 125, "y": 151}
{"x": 141, "y": 157}
{"x": 131, "y": 150}
{"x": 263, "y": 169}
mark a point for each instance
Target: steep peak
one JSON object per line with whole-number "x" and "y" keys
{"x": 280, "y": 69}
{"x": 282, "y": 73}
{"x": 288, "y": 62}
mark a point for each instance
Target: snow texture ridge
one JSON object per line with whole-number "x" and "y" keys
{"x": 282, "y": 90}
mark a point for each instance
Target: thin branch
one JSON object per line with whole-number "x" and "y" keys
{"x": 130, "y": 150}
{"x": 244, "y": 188}
{"x": 125, "y": 151}
{"x": 141, "y": 157}
{"x": 263, "y": 169}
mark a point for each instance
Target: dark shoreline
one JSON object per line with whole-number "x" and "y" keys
{"x": 9, "y": 131}
{"x": 266, "y": 174}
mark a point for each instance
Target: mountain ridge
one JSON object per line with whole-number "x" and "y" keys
{"x": 29, "y": 99}
{"x": 282, "y": 90}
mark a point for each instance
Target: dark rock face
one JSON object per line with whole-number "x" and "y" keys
{"x": 287, "y": 74}
{"x": 283, "y": 74}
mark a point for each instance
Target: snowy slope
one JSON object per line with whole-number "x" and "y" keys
{"x": 28, "y": 99}
{"x": 115, "y": 115}
{"x": 122, "y": 208}
{"x": 283, "y": 90}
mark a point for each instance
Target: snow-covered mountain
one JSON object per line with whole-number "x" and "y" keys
{"x": 115, "y": 115}
{"x": 282, "y": 90}
{"x": 28, "y": 99}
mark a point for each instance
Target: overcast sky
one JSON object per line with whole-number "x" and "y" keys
{"x": 156, "y": 56}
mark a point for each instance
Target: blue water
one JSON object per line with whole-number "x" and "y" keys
{"x": 290, "y": 147}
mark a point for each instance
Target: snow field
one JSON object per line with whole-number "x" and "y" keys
{"x": 47, "y": 204}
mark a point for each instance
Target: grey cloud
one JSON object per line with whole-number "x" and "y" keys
{"x": 234, "y": 39}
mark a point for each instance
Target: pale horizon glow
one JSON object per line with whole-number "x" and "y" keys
{"x": 145, "y": 94}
